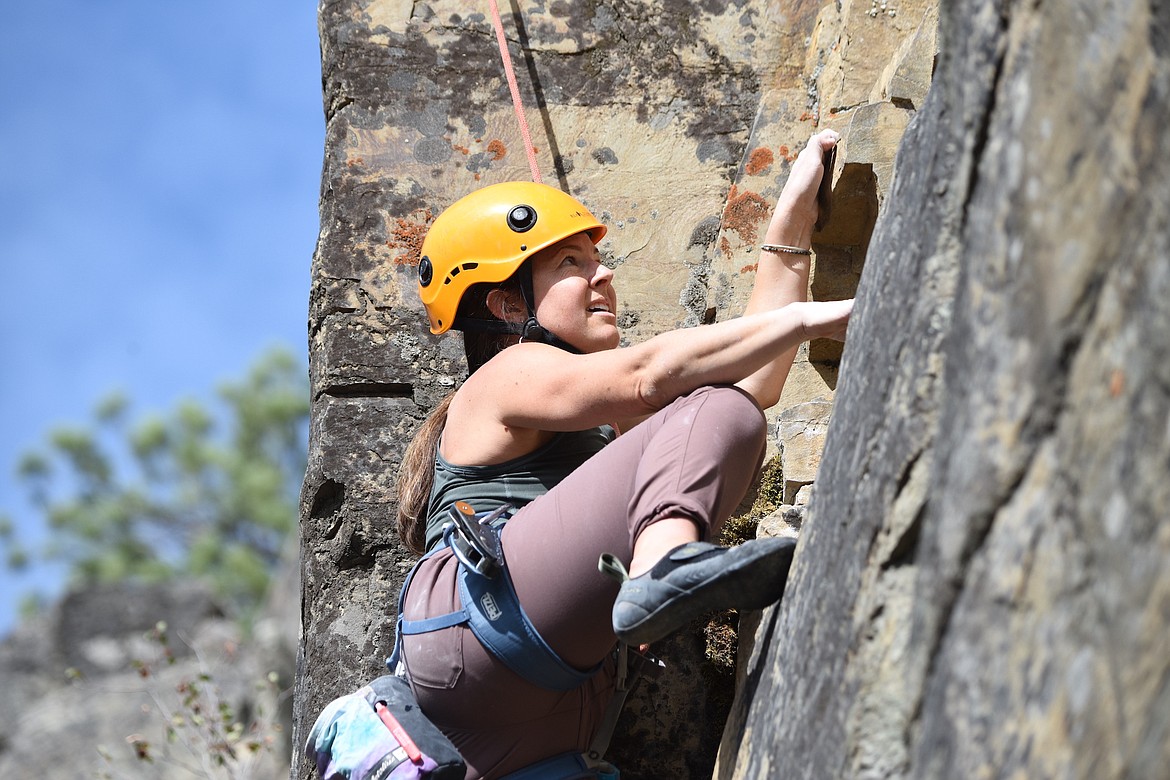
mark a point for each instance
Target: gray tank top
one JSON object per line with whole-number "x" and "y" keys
{"x": 516, "y": 482}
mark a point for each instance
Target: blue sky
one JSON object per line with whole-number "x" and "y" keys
{"x": 159, "y": 174}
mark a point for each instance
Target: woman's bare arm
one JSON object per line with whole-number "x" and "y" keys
{"x": 535, "y": 386}
{"x": 782, "y": 278}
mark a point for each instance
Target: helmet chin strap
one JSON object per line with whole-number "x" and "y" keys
{"x": 529, "y": 330}
{"x": 532, "y": 330}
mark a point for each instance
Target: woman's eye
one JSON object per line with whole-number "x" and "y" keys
{"x": 569, "y": 261}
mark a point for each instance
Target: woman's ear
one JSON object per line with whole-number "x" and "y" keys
{"x": 503, "y": 306}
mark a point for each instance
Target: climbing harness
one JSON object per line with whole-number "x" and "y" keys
{"x": 491, "y": 608}
{"x": 494, "y": 614}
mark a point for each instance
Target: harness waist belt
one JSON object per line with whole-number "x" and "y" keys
{"x": 492, "y": 611}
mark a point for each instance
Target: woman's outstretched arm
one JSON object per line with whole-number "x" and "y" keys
{"x": 535, "y": 386}
{"x": 782, "y": 278}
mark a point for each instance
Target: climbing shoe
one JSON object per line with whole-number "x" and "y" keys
{"x": 699, "y": 577}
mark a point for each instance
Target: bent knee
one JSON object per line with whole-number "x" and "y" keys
{"x": 737, "y": 412}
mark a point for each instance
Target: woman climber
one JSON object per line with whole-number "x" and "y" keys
{"x": 639, "y": 454}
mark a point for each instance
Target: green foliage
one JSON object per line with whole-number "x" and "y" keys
{"x": 769, "y": 492}
{"x": 16, "y": 556}
{"x": 205, "y": 490}
{"x": 721, "y": 631}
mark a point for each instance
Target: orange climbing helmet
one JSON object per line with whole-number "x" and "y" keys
{"x": 486, "y": 237}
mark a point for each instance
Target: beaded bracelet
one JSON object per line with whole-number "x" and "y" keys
{"x": 792, "y": 250}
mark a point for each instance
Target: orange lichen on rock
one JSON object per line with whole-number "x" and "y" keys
{"x": 750, "y": 268}
{"x": 497, "y": 149}
{"x": 759, "y": 161}
{"x": 1116, "y": 382}
{"x": 407, "y": 234}
{"x": 461, "y": 149}
{"x": 744, "y": 212}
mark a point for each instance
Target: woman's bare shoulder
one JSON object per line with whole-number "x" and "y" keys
{"x": 475, "y": 433}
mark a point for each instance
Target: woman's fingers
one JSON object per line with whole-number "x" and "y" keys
{"x": 819, "y": 142}
{"x": 805, "y": 177}
{"x": 826, "y": 319}
{"x": 814, "y": 151}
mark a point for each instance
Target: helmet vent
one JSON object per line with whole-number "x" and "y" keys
{"x": 521, "y": 218}
{"x": 425, "y": 271}
{"x": 458, "y": 270}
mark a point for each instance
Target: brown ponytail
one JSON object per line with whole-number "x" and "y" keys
{"x": 416, "y": 475}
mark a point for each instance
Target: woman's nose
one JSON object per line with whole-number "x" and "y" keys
{"x": 603, "y": 275}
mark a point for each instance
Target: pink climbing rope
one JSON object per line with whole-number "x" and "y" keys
{"x": 514, "y": 88}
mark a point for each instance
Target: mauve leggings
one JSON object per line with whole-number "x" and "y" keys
{"x": 694, "y": 459}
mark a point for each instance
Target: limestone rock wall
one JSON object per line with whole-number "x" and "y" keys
{"x": 676, "y": 123}
{"x": 982, "y": 588}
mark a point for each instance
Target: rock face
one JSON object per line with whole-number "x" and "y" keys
{"x": 676, "y": 123}
{"x": 983, "y": 583}
{"x": 87, "y": 689}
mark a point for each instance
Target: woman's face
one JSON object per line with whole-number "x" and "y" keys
{"x": 575, "y": 298}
